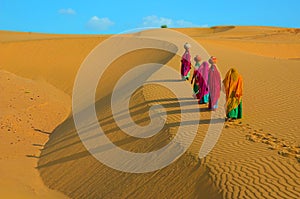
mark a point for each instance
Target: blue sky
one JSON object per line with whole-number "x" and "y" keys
{"x": 78, "y": 16}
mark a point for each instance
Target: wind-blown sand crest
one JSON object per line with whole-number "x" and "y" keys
{"x": 240, "y": 165}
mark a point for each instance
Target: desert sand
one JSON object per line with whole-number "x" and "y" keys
{"x": 42, "y": 156}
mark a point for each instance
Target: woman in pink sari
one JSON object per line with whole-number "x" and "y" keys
{"x": 203, "y": 80}
{"x": 186, "y": 62}
{"x": 214, "y": 84}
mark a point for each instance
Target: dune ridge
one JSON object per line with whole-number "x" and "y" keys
{"x": 58, "y": 154}
{"x": 235, "y": 168}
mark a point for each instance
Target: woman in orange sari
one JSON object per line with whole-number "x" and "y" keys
{"x": 233, "y": 84}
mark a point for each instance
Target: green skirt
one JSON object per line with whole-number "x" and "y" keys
{"x": 188, "y": 75}
{"x": 237, "y": 112}
{"x": 196, "y": 89}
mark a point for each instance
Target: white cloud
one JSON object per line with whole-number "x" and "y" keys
{"x": 183, "y": 23}
{"x": 99, "y": 24}
{"x": 155, "y": 21}
{"x": 68, "y": 11}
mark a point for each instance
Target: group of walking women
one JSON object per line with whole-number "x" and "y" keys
{"x": 206, "y": 81}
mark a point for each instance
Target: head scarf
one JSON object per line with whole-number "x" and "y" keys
{"x": 187, "y": 46}
{"x": 197, "y": 59}
{"x": 233, "y": 84}
{"x": 213, "y": 60}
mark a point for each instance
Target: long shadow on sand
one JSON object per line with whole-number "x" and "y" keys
{"x": 82, "y": 154}
{"x": 135, "y": 110}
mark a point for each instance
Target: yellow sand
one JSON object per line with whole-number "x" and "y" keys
{"x": 242, "y": 163}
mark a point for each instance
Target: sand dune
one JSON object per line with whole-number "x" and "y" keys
{"x": 247, "y": 161}
{"x": 42, "y": 58}
{"x": 30, "y": 110}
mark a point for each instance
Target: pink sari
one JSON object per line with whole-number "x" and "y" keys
{"x": 185, "y": 63}
{"x": 196, "y": 77}
{"x": 214, "y": 84}
{"x": 203, "y": 79}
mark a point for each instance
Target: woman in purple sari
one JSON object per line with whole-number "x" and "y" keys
{"x": 203, "y": 86}
{"x": 186, "y": 62}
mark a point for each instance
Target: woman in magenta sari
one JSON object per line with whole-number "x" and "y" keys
{"x": 214, "y": 84}
{"x": 186, "y": 62}
{"x": 203, "y": 79}
{"x": 195, "y": 77}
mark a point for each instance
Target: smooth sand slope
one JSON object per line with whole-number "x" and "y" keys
{"x": 255, "y": 159}
{"x": 30, "y": 111}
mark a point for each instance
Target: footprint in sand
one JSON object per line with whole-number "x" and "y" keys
{"x": 283, "y": 147}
